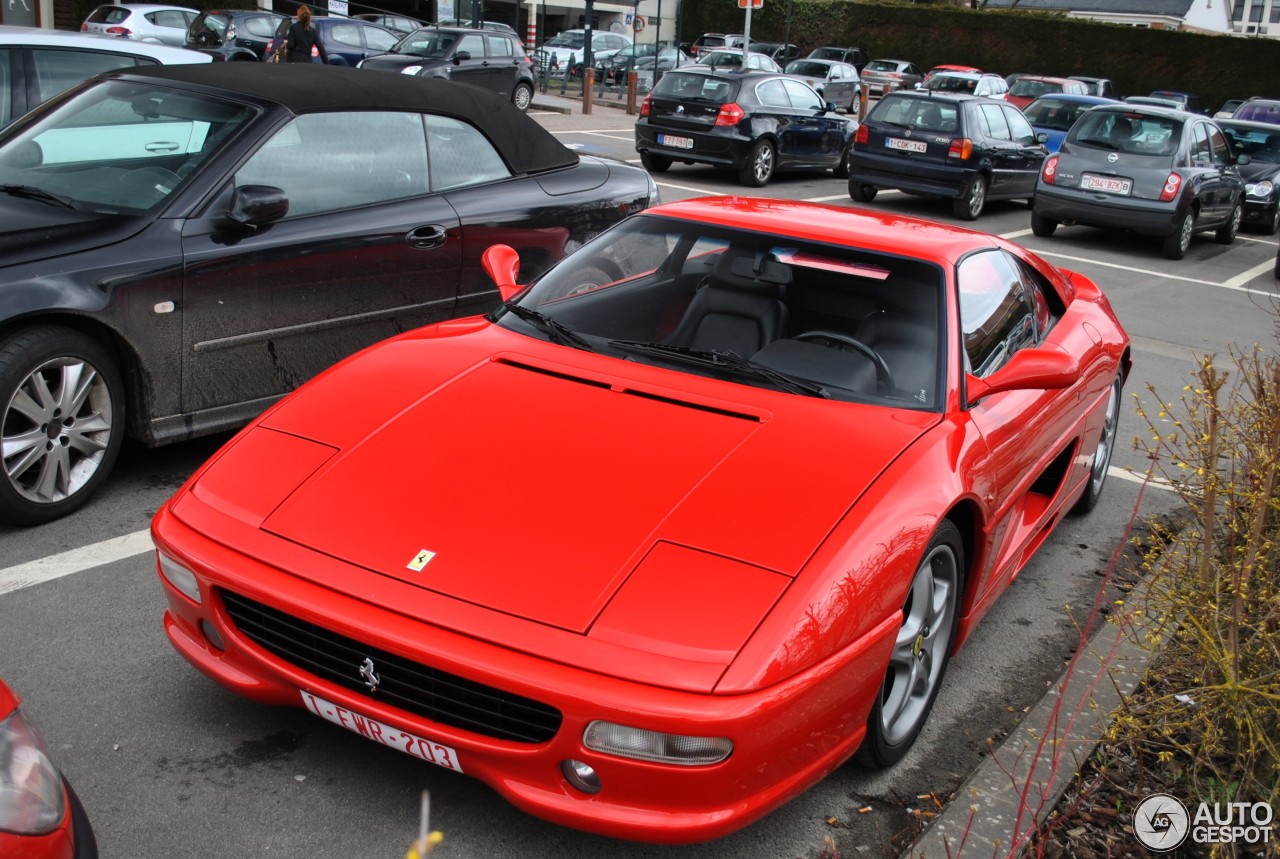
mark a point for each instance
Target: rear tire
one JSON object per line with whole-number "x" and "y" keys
{"x": 1177, "y": 243}
{"x": 841, "y": 170}
{"x": 522, "y": 97}
{"x": 1041, "y": 226}
{"x": 968, "y": 206}
{"x": 1226, "y": 234}
{"x": 861, "y": 193}
{"x": 654, "y": 163}
{"x": 758, "y": 170}
{"x": 1102, "y": 453}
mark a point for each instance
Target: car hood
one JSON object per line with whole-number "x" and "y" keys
{"x": 395, "y": 62}
{"x": 31, "y": 230}
{"x": 518, "y": 483}
{"x": 1256, "y": 171}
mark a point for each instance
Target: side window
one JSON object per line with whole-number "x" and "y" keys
{"x": 379, "y": 40}
{"x": 460, "y": 155}
{"x": 59, "y": 69}
{"x": 996, "y": 122}
{"x": 6, "y": 104}
{"x": 1019, "y": 128}
{"x": 772, "y": 94}
{"x": 260, "y": 25}
{"x": 802, "y": 98}
{"x": 168, "y": 18}
{"x": 996, "y": 315}
{"x": 472, "y": 43}
{"x": 1200, "y": 152}
{"x": 499, "y": 46}
{"x": 346, "y": 34}
{"x": 1221, "y": 151}
{"x": 326, "y": 163}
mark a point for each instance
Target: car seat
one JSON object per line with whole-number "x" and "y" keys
{"x": 739, "y": 308}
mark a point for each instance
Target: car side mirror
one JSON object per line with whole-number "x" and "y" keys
{"x": 253, "y": 206}
{"x": 502, "y": 264}
{"x": 460, "y": 56}
{"x": 1042, "y": 137}
{"x": 1242, "y": 159}
{"x": 1040, "y": 369}
{"x": 830, "y": 107}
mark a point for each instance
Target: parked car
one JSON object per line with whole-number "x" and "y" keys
{"x": 1261, "y": 142}
{"x": 835, "y": 81}
{"x": 40, "y": 815}
{"x": 1259, "y": 110}
{"x": 1185, "y": 101}
{"x": 346, "y": 41}
{"x": 1157, "y": 171}
{"x": 648, "y": 61}
{"x": 1228, "y": 108}
{"x": 1053, "y": 115}
{"x": 1153, "y": 101}
{"x": 1029, "y": 87}
{"x": 572, "y": 44}
{"x": 682, "y": 672}
{"x": 968, "y": 83}
{"x": 137, "y": 209}
{"x": 1102, "y": 87}
{"x": 885, "y": 76}
{"x": 962, "y": 147}
{"x": 483, "y": 25}
{"x": 713, "y": 41}
{"x": 756, "y": 123}
{"x": 950, "y": 67}
{"x": 855, "y": 57}
{"x": 143, "y": 22}
{"x": 731, "y": 58}
{"x": 401, "y": 24}
{"x": 487, "y": 59}
{"x": 53, "y": 62}
{"x": 234, "y": 34}
{"x": 776, "y": 51}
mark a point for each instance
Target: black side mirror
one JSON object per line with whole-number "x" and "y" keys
{"x": 460, "y": 56}
{"x": 253, "y": 206}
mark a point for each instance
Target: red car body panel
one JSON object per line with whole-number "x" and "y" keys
{"x": 737, "y": 558}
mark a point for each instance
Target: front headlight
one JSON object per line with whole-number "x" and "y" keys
{"x": 644, "y": 745}
{"x": 32, "y": 801}
{"x": 410, "y": 70}
{"x": 179, "y": 576}
{"x": 1259, "y": 189}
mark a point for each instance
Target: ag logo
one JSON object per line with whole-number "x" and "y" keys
{"x": 1161, "y": 822}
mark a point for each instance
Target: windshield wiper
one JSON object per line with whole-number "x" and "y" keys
{"x": 33, "y": 193}
{"x": 726, "y": 361}
{"x": 558, "y": 332}
{"x": 1098, "y": 141}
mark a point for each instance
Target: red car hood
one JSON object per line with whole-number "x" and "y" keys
{"x": 536, "y": 489}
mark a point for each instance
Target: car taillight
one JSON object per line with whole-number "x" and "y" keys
{"x": 730, "y": 114}
{"x": 119, "y": 31}
{"x": 644, "y": 106}
{"x": 1050, "y": 169}
{"x": 961, "y": 147}
{"x": 1171, "y": 186}
{"x": 894, "y": 75}
{"x": 84, "y": 28}
{"x": 862, "y": 135}
{"x": 231, "y": 32}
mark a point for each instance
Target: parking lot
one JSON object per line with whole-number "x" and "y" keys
{"x": 166, "y": 760}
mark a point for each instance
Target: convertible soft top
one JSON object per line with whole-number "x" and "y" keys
{"x": 523, "y": 144}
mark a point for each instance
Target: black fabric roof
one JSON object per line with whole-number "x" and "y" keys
{"x": 305, "y": 88}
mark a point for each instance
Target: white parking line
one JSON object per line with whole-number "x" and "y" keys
{"x": 1134, "y": 477}
{"x": 1244, "y": 277}
{"x": 702, "y": 191}
{"x": 75, "y": 560}
{"x": 1127, "y": 268}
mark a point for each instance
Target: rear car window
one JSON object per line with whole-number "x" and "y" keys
{"x": 108, "y": 15}
{"x": 678, "y": 85}
{"x": 1127, "y": 131}
{"x": 924, "y": 113}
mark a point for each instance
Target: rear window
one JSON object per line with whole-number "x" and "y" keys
{"x": 214, "y": 22}
{"x": 1055, "y": 113}
{"x": 926, "y": 114}
{"x": 952, "y": 83}
{"x": 688, "y": 86}
{"x": 813, "y": 70}
{"x": 1259, "y": 111}
{"x": 1127, "y": 131}
{"x": 108, "y": 15}
{"x": 878, "y": 66}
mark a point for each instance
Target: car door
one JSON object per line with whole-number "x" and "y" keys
{"x": 1230, "y": 185}
{"x": 171, "y": 25}
{"x": 1031, "y": 154}
{"x": 1208, "y": 179}
{"x": 816, "y": 135}
{"x": 998, "y": 148}
{"x": 366, "y": 251}
{"x": 475, "y": 68}
{"x": 503, "y": 63}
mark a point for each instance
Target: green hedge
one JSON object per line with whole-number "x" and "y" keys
{"x": 1139, "y": 60}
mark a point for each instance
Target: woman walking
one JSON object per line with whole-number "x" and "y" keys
{"x": 303, "y": 42}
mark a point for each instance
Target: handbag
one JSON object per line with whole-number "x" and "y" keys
{"x": 280, "y": 55}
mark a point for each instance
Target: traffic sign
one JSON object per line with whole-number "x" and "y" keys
{"x": 638, "y": 23}
{"x": 750, "y": 4}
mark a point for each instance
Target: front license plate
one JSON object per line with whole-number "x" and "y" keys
{"x": 411, "y": 744}
{"x": 906, "y": 145}
{"x": 675, "y": 142}
{"x": 1107, "y": 184}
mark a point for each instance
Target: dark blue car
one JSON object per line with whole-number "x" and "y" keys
{"x": 346, "y": 40}
{"x": 1053, "y": 115}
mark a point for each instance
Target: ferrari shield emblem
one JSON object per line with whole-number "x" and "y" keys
{"x": 420, "y": 560}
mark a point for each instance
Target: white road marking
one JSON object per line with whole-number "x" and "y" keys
{"x": 1126, "y": 268}
{"x": 1134, "y": 477}
{"x": 702, "y": 191}
{"x": 1244, "y": 277}
{"x": 75, "y": 560}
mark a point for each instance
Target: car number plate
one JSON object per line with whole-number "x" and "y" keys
{"x": 1108, "y": 184}
{"x": 675, "y": 141}
{"x": 380, "y": 732}
{"x": 906, "y": 145}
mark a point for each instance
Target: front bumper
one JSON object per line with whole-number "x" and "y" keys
{"x": 785, "y": 737}
{"x": 1107, "y": 210}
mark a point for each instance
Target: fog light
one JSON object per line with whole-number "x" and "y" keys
{"x": 179, "y": 576}
{"x": 580, "y": 775}
{"x": 647, "y": 745}
{"x": 212, "y": 635}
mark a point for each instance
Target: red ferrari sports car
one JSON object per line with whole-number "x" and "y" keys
{"x": 682, "y": 526}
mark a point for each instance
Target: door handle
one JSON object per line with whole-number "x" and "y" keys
{"x": 161, "y": 146}
{"x": 430, "y": 236}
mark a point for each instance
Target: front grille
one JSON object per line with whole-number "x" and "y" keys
{"x": 411, "y": 686}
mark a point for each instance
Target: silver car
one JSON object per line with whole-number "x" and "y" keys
{"x": 836, "y": 82}
{"x": 143, "y": 22}
{"x": 880, "y": 77}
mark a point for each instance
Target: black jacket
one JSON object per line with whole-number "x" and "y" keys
{"x": 299, "y": 43}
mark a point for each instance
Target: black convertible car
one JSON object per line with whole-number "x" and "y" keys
{"x": 180, "y": 246}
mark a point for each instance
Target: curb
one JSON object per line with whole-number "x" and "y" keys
{"x": 1016, "y": 788}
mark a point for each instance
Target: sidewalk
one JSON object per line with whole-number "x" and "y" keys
{"x": 612, "y": 101}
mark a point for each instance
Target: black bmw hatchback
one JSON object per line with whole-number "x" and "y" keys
{"x": 757, "y": 123}
{"x": 180, "y": 247}
{"x": 966, "y": 148}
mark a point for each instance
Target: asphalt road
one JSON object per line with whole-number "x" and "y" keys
{"x": 169, "y": 763}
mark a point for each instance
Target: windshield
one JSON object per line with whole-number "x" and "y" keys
{"x": 952, "y": 83}
{"x": 1128, "y": 132}
{"x": 752, "y": 308}
{"x": 426, "y": 43}
{"x": 807, "y": 68}
{"x": 1260, "y": 144}
{"x": 575, "y": 41}
{"x": 119, "y": 147}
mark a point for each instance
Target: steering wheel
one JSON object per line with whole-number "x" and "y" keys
{"x": 883, "y": 377}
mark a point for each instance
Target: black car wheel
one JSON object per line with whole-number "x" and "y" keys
{"x": 861, "y": 193}
{"x": 61, "y": 422}
{"x": 919, "y": 657}
{"x": 968, "y": 206}
{"x": 841, "y": 170}
{"x": 1226, "y": 234}
{"x": 1102, "y": 453}
{"x": 758, "y": 170}
{"x": 1177, "y": 243}
{"x": 523, "y": 96}
{"x": 654, "y": 163}
{"x": 1272, "y": 223}
{"x": 1042, "y": 226}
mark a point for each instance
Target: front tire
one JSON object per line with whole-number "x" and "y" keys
{"x": 1226, "y": 234}
{"x": 1041, "y": 226}
{"x": 1176, "y": 244}
{"x": 758, "y": 170}
{"x": 61, "y": 422}
{"x": 1102, "y": 453}
{"x": 968, "y": 206}
{"x": 920, "y": 652}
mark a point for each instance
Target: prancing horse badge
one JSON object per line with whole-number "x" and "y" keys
{"x": 420, "y": 560}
